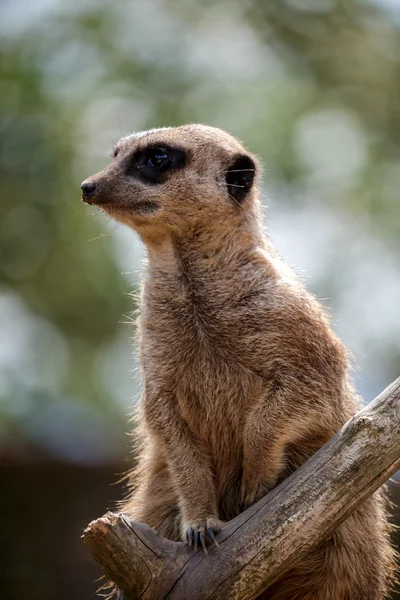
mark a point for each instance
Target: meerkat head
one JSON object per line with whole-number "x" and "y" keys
{"x": 176, "y": 179}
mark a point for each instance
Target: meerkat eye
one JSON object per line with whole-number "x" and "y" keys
{"x": 154, "y": 163}
{"x": 157, "y": 160}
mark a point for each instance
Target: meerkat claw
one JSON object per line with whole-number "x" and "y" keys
{"x": 212, "y": 537}
{"x": 203, "y": 543}
{"x": 189, "y": 534}
{"x": 196, "y": 537}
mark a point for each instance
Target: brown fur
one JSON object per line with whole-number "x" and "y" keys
{"x": 243, "y": 377}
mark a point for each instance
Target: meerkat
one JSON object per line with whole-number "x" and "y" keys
{"x": 243, "y": 377}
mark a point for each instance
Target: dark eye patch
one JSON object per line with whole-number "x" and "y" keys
{"x": 152, "y": 164}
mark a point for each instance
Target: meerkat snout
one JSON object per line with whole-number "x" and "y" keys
{"x": 88, "y": 191}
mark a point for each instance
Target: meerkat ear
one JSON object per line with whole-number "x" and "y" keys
{"x": 240, "y": 176}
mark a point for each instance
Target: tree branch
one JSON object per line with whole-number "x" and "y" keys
{"x": 262, "y": 543}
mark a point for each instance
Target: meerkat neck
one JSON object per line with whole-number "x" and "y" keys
{"x": 208, "y": 256}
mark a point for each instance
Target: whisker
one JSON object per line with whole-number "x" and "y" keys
{"x": 120, "y": 126}
{"x": 114, "y": 142}
{"x": 130, "y": 319}
{"x": 115, "y": 227}
{"x": 98, "y": 237}
{"x": 235, "y": 185}
{"x": 239, "y": 170}
{"x": 231, "y": 197}
{"x": 147, "y": 233}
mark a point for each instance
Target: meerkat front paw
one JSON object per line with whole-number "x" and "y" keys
{"x": 202, "y": 531}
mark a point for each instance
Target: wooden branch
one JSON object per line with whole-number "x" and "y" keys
{"x": 262, "y": 543}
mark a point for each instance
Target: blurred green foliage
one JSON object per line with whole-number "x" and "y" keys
{"x": 312, "y": 86}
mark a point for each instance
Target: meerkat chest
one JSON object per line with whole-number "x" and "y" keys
{"x": 199, "y": 357}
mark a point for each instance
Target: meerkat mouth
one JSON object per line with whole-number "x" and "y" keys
{"x": 139, "y": 208}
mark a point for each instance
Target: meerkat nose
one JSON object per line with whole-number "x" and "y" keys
{"x": 88, "y": 189}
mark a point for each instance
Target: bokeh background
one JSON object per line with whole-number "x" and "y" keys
{"x": 311, "y": 86}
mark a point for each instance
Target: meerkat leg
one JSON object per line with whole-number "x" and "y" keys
{"x": 191, "y": 472}
{"x": 154, "y": 500}
{"x": 193, "y": 476}
{"x": 268, "y": 431}
{"x": 155, "y": 503}
{"x": 355, "y": 563}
